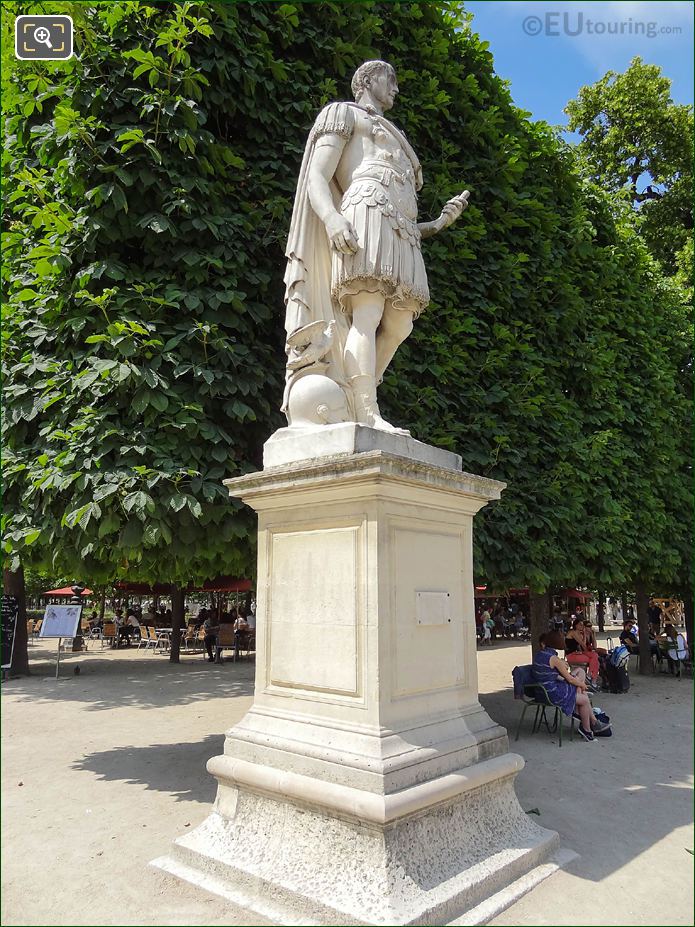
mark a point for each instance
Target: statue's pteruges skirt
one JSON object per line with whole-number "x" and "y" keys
{"x": 389, "y": 259}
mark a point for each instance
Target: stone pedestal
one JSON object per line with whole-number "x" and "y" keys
{"x": 366, "y": 785}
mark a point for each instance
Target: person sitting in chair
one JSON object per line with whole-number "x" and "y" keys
{"x": 678, "y": 650}
{"x": 211, "y": 626}
{"x": 566, "y": 690}
{"x": 578, "y": 652}
{"x": 628, "y": 637}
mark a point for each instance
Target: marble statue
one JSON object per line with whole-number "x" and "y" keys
{"x": 355, "y": 278}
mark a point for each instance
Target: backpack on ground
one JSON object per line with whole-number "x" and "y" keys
{"x": 616, "y": 678}
{"x": 619, "y": 656}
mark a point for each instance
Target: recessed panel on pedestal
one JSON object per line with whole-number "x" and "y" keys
{"x": 313, "y": 626}
{"x": 427, "y": 566}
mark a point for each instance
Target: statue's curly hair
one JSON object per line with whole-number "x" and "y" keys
{"x": 367, "y": 70}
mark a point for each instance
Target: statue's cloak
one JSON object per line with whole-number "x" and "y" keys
{"x": 307, "y": 278}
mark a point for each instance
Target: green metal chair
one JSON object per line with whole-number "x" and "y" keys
{"x": 535, "y": 695}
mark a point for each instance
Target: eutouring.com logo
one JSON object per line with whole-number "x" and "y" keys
{"x": 574, "y": 24}
{"x": 43, "y": 38}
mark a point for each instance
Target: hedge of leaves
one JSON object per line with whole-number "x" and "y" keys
{"x": 149, "y": 185}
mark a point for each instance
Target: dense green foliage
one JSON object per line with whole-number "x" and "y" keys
{"x": 149, "y": 193}
{"x": 637, "y": 142}
{"x": 635, "y": 138}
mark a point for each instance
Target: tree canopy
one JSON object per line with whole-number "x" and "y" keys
{"x": 149, "y": 185}
{"x": 634, "y": 137}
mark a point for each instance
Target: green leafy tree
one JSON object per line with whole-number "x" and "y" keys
{"x": 634, "y": 137}
{"x": 137, "y": 366}
{"x": 149, "y": 190}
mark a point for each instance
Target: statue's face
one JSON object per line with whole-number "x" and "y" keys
{"x": 384, "y": 88}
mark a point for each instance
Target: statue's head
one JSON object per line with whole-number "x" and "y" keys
{"x": 316, "y": 400}
{"x": 378, "y": 79}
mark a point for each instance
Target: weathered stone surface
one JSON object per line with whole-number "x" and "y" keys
{"x": 291, "y": 445}
{"x": 298, "y": 865}
{"x": 366, "y": 785}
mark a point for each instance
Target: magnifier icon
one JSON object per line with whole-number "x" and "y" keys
{"x": 42, "y": 35}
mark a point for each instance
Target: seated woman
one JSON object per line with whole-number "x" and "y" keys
{"x": 566, "y": 690}
{"x": 678, "y": 650}
{"x": 578, "y": 652}
{"x": 590, "y": 639}
{"x": 630, "y": 638}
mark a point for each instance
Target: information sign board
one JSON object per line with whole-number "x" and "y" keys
{"x": 61, "y": 621}
{"x": 10, "y": 610}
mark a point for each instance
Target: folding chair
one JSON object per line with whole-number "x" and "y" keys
{"x": 535, "y": 695}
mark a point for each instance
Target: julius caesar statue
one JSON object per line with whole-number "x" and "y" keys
{"x": 355, "y": 278}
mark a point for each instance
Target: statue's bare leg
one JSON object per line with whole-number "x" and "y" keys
{"x": 396, "y": 325}
{"x": 360, "y": 346}
{"x": 361, "y": 359}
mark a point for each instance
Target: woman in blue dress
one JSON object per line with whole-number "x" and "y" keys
{"x": 565, "y": 689}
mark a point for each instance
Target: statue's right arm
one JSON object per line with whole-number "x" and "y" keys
{"x": 324, "y": 163}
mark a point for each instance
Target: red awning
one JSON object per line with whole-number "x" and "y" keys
{"x": 143, "y": 588}
{"x": 483, "y": 592}
{"x": 227, "y": 584}
{"x": 218, "y": 584}
{"x": 66, "y": 590}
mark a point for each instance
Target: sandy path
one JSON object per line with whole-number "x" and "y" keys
{"x": 105, "y": 791}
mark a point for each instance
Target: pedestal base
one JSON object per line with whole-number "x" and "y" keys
{"x": 459, "y": 860}
{"x": 366, "y": 785}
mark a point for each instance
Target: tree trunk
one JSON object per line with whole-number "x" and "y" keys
{"x": 538, "y": 618}
{"x": 623, "y": 604}
{"x": 178, "y": 602}
{"x": 688, "y": 609}
{"x": 642, "y": 602}
{"x": 102, "y": 607}
{"x": 14, "y": 585}
{"x": 601, "y": 610}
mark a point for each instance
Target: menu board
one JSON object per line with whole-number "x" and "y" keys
{"x": 10, "y": 610}
{"x": 61, "y": 621}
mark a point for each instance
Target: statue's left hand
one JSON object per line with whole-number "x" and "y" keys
{"x": 453, "y": 209}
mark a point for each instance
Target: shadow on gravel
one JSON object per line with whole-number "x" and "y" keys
{"x": 131, "y": 680}
{"x": 172, "y": 768}
{"x": 611, "y": 799}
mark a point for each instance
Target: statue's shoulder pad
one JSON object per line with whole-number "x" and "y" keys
{"x": 335, "y": 119}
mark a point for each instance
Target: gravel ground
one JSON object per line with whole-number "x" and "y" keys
{"x": 102, "y": 770}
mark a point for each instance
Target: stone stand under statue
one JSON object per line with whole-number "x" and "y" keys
{"x": 366, "y": 785}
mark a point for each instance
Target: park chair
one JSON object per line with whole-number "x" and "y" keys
{"x": 244, "y": 639}
{"x": 162, "y": 639}
{"x": 535, "y": 695}
{"x": 684, "y": 663}
{"x": 247, "y": 641}
{"x": 146, "y": 640}
{"x": 226, "y": 639}
{"x": 189, "y": 637}
{"x": 30, "y": 630}
{"x": 108, "y": 633}
{"x": 37, "y": 627}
